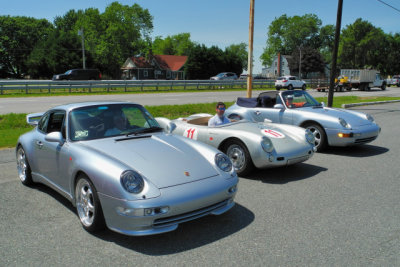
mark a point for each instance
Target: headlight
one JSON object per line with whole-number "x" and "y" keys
{"x": 344, "y": 123}
{"x": 267, "y": 145}
{"x": 223, "y": 162}
{"x": 370, "y": 118}
{"x": 310, "y": 136}
{"x": 132, "y": 181}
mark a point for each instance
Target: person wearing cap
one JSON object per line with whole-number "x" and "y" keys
{"x": 290, "y": 104}
{"x": 219, "y": 118}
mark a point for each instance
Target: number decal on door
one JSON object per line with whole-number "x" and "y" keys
{"x": 190, "y": 133}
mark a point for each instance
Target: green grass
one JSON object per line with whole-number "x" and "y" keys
{"x": 13, "y": 125}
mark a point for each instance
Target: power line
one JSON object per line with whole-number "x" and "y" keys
{"x": 398, "y": 10}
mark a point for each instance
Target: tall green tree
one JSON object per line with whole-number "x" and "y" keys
{"x": 391, "y": 59}
{"x": 179, "y": 44}
{"x": 18, "y": 37}
{"x": 362, "y": 45}
{"x": 311, "y": 61}
{"x": 285, "y": 34}
{"x": 239, "y": 53}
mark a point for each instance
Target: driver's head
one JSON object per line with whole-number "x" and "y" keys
{"x": 119, "y": 122}
{"x": 220, "y": 109}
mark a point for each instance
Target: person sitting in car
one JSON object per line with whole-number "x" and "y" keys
{"x": 119, "y": 125}
{"x": 219, "y": 118}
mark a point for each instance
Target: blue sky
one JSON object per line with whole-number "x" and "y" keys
{"x": 222, "y": 22}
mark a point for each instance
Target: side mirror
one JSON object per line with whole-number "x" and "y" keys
{"x": 54, "y": 137}
{"x": 34, "y": 118}
{"x": 278, "y": 106}
{"x": 171, "y": 127}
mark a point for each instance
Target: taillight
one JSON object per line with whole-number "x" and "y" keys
{"x": 284, "y": 81}
{"x": 100, "y": 76}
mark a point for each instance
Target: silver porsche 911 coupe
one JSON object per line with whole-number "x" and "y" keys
{"x": 121, "y": 170}
{"x": 330, "y": 126}
{"x": 248, "y": 144}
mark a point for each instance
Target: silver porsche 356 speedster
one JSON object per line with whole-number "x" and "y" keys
{"x": 330, "y": 126}
{"x": 120, "y": 170}
{"x": 248, "y": 144}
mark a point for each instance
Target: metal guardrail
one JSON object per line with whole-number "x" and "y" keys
{"x": 49, "y": 86}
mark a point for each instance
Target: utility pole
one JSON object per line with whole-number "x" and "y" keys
{"x": 335, "y": 52}
{"x": 80, "y": 32}
{"x": 250, "y": 55}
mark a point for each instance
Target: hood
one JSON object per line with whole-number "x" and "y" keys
{"x": 163, "y": 159}
{"x": 354, "y": 118}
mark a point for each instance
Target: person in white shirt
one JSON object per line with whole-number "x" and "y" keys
{"x": 219, "y": 118}
{"x": 119, "y": 126}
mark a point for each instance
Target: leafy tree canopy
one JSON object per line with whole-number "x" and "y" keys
{"x": 179, "y": 44}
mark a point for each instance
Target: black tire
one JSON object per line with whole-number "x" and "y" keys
{"x": 304, "y": 87}
{"x": 319, "y": 134}
{"x": 290, "y": 87}
{"x": 240, "y": 157}
{"x": 383, "y": 87}
{"x": 24, "y": 170}
{"x": 88, "y": 205}
{"x": 278, "y": 88}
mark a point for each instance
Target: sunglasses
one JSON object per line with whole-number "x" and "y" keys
{"x": 221, "y": 108}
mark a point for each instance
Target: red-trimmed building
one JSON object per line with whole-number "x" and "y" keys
{"x": 165, "y": 67}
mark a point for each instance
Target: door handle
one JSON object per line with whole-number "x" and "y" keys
{"x": 39, "y": 144}
{"x": 257, "y": 112}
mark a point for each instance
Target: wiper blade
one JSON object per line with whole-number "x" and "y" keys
{"x": 145, "y": 130}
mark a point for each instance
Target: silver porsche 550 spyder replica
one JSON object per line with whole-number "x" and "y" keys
{"x": 120, "y": 170}
{"x": 248, "y": 144}
{"x": 330, "y": 126}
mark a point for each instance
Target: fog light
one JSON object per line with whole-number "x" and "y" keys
{"x": 232, "y": 189}
{"x": 129, "y": 212}
{"x": 271, "y": 158}
{"x": 345, "y": 135}
{"x": 155, "y": 211}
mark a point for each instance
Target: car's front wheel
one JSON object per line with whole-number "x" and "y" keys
{"x": 88, "y": 205}
{"x": 319, "y": 134}
{"x": 303, "y": 87}
{"x": 383, "y": 87}
{"x": 24, "y": 170}
{"x": 240, "y": 157}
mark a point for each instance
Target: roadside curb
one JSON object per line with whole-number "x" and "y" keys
{"x": 368, "y": 103}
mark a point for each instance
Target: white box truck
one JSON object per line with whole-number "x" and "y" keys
{"x": 363, "y": 79}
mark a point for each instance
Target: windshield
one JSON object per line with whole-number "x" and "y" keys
{"x": 94, "y": 122}
{"x": 299, "y": 99}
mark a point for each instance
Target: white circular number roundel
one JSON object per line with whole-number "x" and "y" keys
{"x": 272, "y": 133}
{"x": 190, "y": 133}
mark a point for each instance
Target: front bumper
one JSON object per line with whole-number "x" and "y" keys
{"x": 361, "y": 135}
{"x": 185, "y": 202}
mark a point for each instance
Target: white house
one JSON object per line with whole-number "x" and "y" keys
{"x": 279, "y": 67}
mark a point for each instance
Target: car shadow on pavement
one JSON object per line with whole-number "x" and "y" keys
{"x": 283, "y": 175}
{"x": 187, "y": 236}
{"x": 362, "y": 151}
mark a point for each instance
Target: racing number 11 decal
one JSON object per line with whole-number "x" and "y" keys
{"x": 190, "y": 133}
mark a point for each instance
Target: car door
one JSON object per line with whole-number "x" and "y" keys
{"x": 52, "y": 157}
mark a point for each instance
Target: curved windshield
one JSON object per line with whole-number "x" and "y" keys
{"x": 299, "y": 99}
{"x": 94, "y": 122}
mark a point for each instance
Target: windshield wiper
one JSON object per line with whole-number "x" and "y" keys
{"x": 145, "y": 130}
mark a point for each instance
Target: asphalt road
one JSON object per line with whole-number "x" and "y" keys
{"x": 40, "y": 104}
{"x": 340, "y": 208}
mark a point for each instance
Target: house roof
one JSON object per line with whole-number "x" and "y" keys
{"x": 141, "y": 62}
{"x": 171, "y": 62}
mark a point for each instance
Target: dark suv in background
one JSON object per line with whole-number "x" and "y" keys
{"x": 78, "y": 74}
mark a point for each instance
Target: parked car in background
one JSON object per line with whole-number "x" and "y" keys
{"x": 289, "y": 82}
{"x": 395, "y": 81}
{"x": 119, "y": 169}
{"x": 225, "y": 76}
{"x": 78, "y": 74}
{"x": 330, "y": 126}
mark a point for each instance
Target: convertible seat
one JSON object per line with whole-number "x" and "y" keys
{"x": 200, "y": 121}
{"x": 246, "y": 102}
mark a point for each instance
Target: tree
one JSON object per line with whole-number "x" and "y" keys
{"x": 179, "y": 44}
{"x": 391, "y": 59}
{"x": 311, "y": 61}
{"x": 18, "y": 36}
{"x": 285, "y": 34}
{"x": 362, "y": 45}
{"x": 239, "y": 52}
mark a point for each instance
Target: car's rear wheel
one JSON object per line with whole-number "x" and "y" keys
{"x": 303, "y": 87}
{"x": 88, "y": 205}
{"x": 319, "y": 134}
{"x": 240, "y": 157}
{"x": 24, "y": 170}
{"x": 290, "y": 87}
{"x": 383, "y": 87}
{"x": 277, "y": 88}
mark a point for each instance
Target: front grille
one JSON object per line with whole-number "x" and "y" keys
{"x": 172, "y": 220}
{"x": 365, "y": 140}
{"x": 297, "y": 160}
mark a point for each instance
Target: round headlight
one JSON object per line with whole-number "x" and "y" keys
{"x": 370, "y": 118}
{"x": 310, "y": 136}
{"x": 223, "y": 162}
{"x": 132, "y": 181}
{"x": 344, "y": 123}
{"x": 267, "y": 145}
